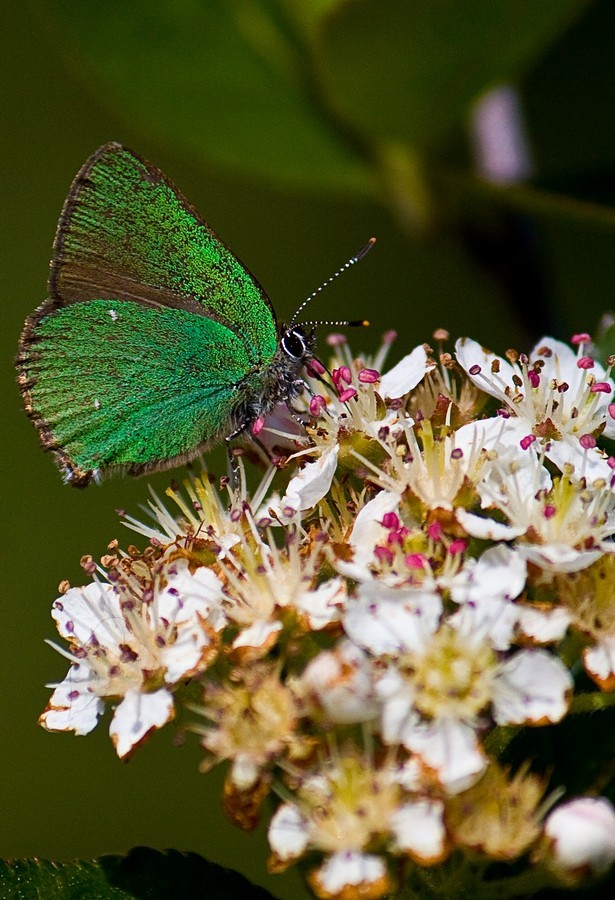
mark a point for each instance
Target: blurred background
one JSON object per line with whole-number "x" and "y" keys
{"x": 475, "y": 140}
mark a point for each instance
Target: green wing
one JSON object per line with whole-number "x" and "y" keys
{"x": 114, "y": 384}
{"x": 154, "y": 334}
{"x": 127, "y": 233}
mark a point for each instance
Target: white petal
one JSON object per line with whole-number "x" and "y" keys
{"x": 367, "y": 530}
{"x": 410, "y": 775}
{"x": 366, "y": 534}
{"x": 583, "y": 835}
{"x": 531, "y": 687}
{"x": 188, "y": 595}
{"x": 90, "y": 611}
{"x": 600, "y": 662}
{"x": 399, "y": 717}
{"x": 244, "y": 772}
{"x": 185, "y": 601}
{"x": 559, "y": 557}
{"x": 405, "y": 375}
{"x": 312, "y": 483}
{"x": 349, "y": 868}
{"x": 73, "y": 705}
{"x": 591, "y": 464}
{"x": 258, "y": 634}
{"x": 137, "y": 715}
{"x": 494, "y": 433}
{"x": 342, "y": 681}
{"x": 182, "y": 658}
{"x": 452, "y": 749}
{"x": 543, "y": 625}
{"x": 560, "y": 363}
{"x": 389, "y": 620}
{"x": 322, "y": 606}
{"x": 487, "y": 619}
{"x": 500, "y": 573}
{"x": 487, "y": 529}
{"x": 419, "y": 830}
{"x": 288, "y": 832}
{"x": 470, "y": 353}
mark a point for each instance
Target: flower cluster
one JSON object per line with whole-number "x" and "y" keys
{"x": 427, "y": 571}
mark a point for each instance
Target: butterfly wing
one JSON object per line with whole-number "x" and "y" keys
{"x": 114, "y": 384}
{"x": 154, "y": 334}
{"x": 127, "y": 233}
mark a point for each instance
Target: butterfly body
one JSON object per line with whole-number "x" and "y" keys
{"x": 155, "y": 341}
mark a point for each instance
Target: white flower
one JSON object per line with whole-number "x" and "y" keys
{"x": 251, "y": 721}
{"x": 133, "y": 644}
{"x": 561, "y": 397}
{"x": 561, "y": 526}
{"x": 354, "y": 405}
{"x": 510, "y": 480}
{"x": 369, "y": 631}
{"x": 264, "y": 579}
{"x": 581, "y": 837}
{"x": 434, "y": 469}
{"x": 341, "y": 681}
{"x": 344, "y": 808}
{"x": 441, "y": 678}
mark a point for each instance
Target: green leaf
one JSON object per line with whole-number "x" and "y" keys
{"x": 227, "y": 80}
{"x": 408, "y": 71}
{"x": 143, "y": 873}
{"x": 27, "y": 878}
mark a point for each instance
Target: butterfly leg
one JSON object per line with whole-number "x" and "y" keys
{"x": 295, "y": 389}
{"x": 234, "y": 454}
{"x": 233, "y": 460}
{"x": 296, "y": 415}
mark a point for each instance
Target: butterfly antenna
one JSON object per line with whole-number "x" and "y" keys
{"x": 353, "y": 259}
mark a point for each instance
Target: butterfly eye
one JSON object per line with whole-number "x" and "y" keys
{"x": 293, "y": 344}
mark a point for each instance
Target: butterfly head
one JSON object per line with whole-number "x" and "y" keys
{"x": 297, "y": 342}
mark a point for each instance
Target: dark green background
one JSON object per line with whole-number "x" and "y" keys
{"x": 64, "y": 796}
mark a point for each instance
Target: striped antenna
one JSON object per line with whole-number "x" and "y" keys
{"x": 355, "y": 323}
{"x": 353, "y": 259}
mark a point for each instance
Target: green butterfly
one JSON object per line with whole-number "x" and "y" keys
{"x": 155, "y": 340}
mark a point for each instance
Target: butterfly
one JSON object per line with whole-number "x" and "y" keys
{"x": 155, "y": 341}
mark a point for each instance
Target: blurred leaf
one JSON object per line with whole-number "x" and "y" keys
{"x": 143, "y": 873}
{"x": 408, "y": 71}
{"x": 534, "y": 201}
{"x": 24, "y": 879}
{"x": 227, "y": 79}
{"x": 568, "y": 103}
{"x": 309, "y": 12}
